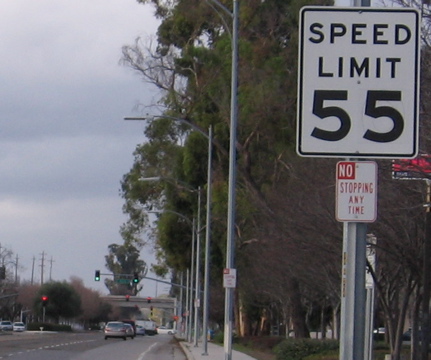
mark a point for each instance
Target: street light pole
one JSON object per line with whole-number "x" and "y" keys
{"x": 189, "y": 338}
{"x": 210, "y": 139}
{"x": 198, "y": 262}
{"x": 207, "y": 247}
{"x": 230, "y": 243}
{"x": 190, "y": 279}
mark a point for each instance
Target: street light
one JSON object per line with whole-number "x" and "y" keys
{"x": 211, "y": 140}
{"x": 189, "y": 297}
{"x": 198, "y": 241}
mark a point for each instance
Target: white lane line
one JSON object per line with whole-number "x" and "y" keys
{"x": 141, "y": 357}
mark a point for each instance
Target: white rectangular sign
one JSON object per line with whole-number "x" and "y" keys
{"x": 358, "y": 82}
{"x": 356, "y": 193}
{"x": 229, "y": 278}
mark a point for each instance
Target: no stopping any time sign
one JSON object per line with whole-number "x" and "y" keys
{"x": 358, "y": 82}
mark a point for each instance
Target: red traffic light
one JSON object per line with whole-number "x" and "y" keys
{"x": 149, "y": 299}
{"x": 44, "y": 300}
{"x": 127, "y": 297}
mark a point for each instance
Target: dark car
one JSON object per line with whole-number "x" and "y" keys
{"x": 407, "y": 336}
{"x": 132, "y": 323}
{"x": 130, "y": 332}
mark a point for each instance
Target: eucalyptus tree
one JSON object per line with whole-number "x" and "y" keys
{"x": 124, "y": 262}
{"x": 191, "y": 66}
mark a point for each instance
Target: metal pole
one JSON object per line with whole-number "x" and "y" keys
{"x": 187, "y": 312}
{"x": 369, "y": 321}
{"x": 180, "y": 307}
{"x": 425, "y": 276}
{"x": 207, "y": 246}
{"x": 198, "y": 263}
{"x": 191, "y": 282}
{"x": 230, "y": 245}
{"x": 353, "y": 292}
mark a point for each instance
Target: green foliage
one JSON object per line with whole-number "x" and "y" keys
{"x": 192, "y": 67}
{"x": 124, "y": 260}
{"x": 219, "y": 337}
{"x": 63, "y": 301}
{"x": 299, "y": 349}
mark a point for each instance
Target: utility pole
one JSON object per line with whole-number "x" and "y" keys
{"x": 16, "y": 270}
{"x": 32, "y": 270}
{"x": 42, "y": 267}
{"x": 50, "y": 269}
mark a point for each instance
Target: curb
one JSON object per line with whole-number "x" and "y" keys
{"x": 186, "y": 350}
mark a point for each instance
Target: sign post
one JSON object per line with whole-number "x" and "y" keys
{"x": 358, "y": 97}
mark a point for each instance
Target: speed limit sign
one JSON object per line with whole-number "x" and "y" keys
{"x": 358, "y": 82}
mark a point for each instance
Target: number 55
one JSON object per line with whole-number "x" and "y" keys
{"x": 371, "y": 109}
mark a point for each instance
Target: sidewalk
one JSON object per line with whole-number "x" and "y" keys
{"x": 215, "y": 352}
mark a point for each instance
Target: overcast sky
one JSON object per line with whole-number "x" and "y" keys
{"x": 64, "y": 145}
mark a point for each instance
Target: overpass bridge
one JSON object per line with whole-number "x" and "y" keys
{"x": 126, "y": 301}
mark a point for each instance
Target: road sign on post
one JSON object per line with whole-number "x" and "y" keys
{"x": 356, "y": 191}
{"x": 358, "y": 82}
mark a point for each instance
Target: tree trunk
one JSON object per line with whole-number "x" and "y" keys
{"x": 297, "y": 310}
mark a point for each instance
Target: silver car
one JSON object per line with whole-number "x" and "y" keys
{"x": 6, "y": 326}
{"x": 116, "y": 329}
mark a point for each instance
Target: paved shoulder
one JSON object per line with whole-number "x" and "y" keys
{"x": 215, "y": 352}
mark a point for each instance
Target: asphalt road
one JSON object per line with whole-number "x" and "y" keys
{"x": 87, "y": 346}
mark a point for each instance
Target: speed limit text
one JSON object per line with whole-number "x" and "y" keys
{"x": 360, "y": 34}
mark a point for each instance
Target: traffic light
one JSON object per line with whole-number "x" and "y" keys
{"x": 2, "y": 272}
{"x": 127, "y": 297}
{"x": 135, "y": 278}
{"x": 149, "y": 299}
{"x": 151, "y": 311}
{"x": 97, "y": 275}
{"x": 44, "y": 300}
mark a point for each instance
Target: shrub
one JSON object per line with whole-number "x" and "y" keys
{"x": 298, "y": 349}
{"x": 48, "y": 327}
{"x": 219, "y": 337}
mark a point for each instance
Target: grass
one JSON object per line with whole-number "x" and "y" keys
{"x": 260, "y": 348}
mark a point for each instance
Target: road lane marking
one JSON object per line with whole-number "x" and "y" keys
{"x": 141, "y": 357}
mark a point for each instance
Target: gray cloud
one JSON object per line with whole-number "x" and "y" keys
{"x": 63, "y": 144}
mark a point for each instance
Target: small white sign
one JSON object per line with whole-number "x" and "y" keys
{"x": 229, "y": 278}
{"x": 197, "y": 303}
{"x": 358, "y": 82}
{"x": 356, "y": 191}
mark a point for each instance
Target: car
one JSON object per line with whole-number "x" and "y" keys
{"x": 165, "y": 330}
{"x": 140, "y": 330}
{"x": 116, "y": 329}
{"x": 18, "y": 326}
{"x": 407, "y": 336}
{"x": 132, "y": 323}
{"x": 130, "y": 331}
{"x": 6, "y": 326}
{"x": 380, "y": 330}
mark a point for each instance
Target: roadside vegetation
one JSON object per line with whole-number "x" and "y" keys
{"x": 288, "y": 245}
{"x": 56, "y": 304}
